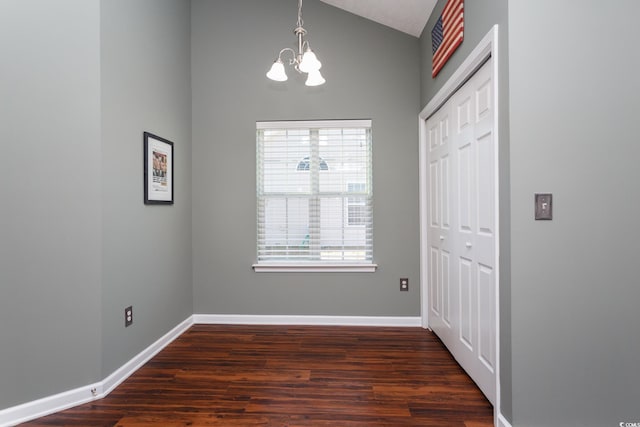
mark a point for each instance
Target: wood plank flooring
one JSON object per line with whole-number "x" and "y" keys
{"x": 290, "y": 376}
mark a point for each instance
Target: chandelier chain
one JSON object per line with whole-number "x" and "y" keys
{"x": 300, "y": 21}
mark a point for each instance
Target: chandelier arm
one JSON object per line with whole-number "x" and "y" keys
{"x": 293, "y": 55}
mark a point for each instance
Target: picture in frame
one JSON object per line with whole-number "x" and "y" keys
{"x": 158, "y": 170}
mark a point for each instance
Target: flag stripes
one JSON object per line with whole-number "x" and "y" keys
{"x": 447, "y": 34}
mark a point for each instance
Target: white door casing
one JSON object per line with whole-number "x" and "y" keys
{"x": 459, "y": 217}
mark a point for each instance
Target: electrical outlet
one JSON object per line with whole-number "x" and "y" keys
{"x": 404, "y": 284}
{"x": 128, "y": 316}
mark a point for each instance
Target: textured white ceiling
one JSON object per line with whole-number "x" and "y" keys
{"x": 408, "y": 16}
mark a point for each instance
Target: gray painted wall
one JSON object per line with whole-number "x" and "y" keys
{"x": 50, "y": 180}
{"x": 372, "y": 72}
{"x": 146, "y": 86}
{"x": 84, "y": 79}
{"x": 480, "y": 17}
{"x": 574, "y": 132}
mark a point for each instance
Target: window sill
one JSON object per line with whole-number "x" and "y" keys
{"x": 315, "y": 268}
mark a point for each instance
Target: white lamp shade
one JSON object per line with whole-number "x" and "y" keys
{"x": 277, "y": 72}
{"x": 309, "y": 62}
{"x": 315, "y": 79}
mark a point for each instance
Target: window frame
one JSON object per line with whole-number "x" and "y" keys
{"x": 315, "y": 266}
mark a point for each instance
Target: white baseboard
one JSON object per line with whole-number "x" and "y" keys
{"x": 126, "y": 370}
{"x": 241, "y": 319}
{"x": 68, "y": 399}
{"x": 502, "y": 421}
{"x": 48, "y": 405}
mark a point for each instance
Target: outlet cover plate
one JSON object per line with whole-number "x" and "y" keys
{"x": 128, "y": 316}
{"x": 404, "y": 284}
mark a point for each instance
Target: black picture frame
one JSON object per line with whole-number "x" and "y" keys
{"x": 158, "y": 170}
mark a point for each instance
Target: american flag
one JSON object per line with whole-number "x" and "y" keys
{"x": 447, "y": 34}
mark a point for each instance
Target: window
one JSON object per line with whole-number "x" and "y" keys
{"x": 314, "y": 196}
{"x": 357, "y": 205}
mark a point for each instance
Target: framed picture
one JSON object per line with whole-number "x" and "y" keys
{"x": 158, "y": 170}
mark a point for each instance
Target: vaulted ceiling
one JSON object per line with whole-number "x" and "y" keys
{"x": 408, "y": 16}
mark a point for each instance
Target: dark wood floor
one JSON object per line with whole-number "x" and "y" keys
{"x": 292, "y": 376}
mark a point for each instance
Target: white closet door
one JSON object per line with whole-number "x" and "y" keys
{"x": 471, "y": 254}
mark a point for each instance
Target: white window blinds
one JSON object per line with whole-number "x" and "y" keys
{"x": 314, "y": 193}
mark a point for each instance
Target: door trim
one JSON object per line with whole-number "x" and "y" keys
{"x": 488, "y": 47}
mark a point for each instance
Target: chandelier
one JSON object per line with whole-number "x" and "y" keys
{"x": 304, "y": 61}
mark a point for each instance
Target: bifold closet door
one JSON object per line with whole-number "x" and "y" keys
{"x": 462, "y": 225}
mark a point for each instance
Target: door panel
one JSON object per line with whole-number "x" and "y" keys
{"x": 465, "y": 189}
{"x": 466, "y": 302}
{"x": 446, "y": 191}
{"x": 486, "y": 211}
{"x": 486, "y": 310}
{"x": 440, "y": 275}
{"x": 434, "y": 268}
{"x": 446, "y": 288}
